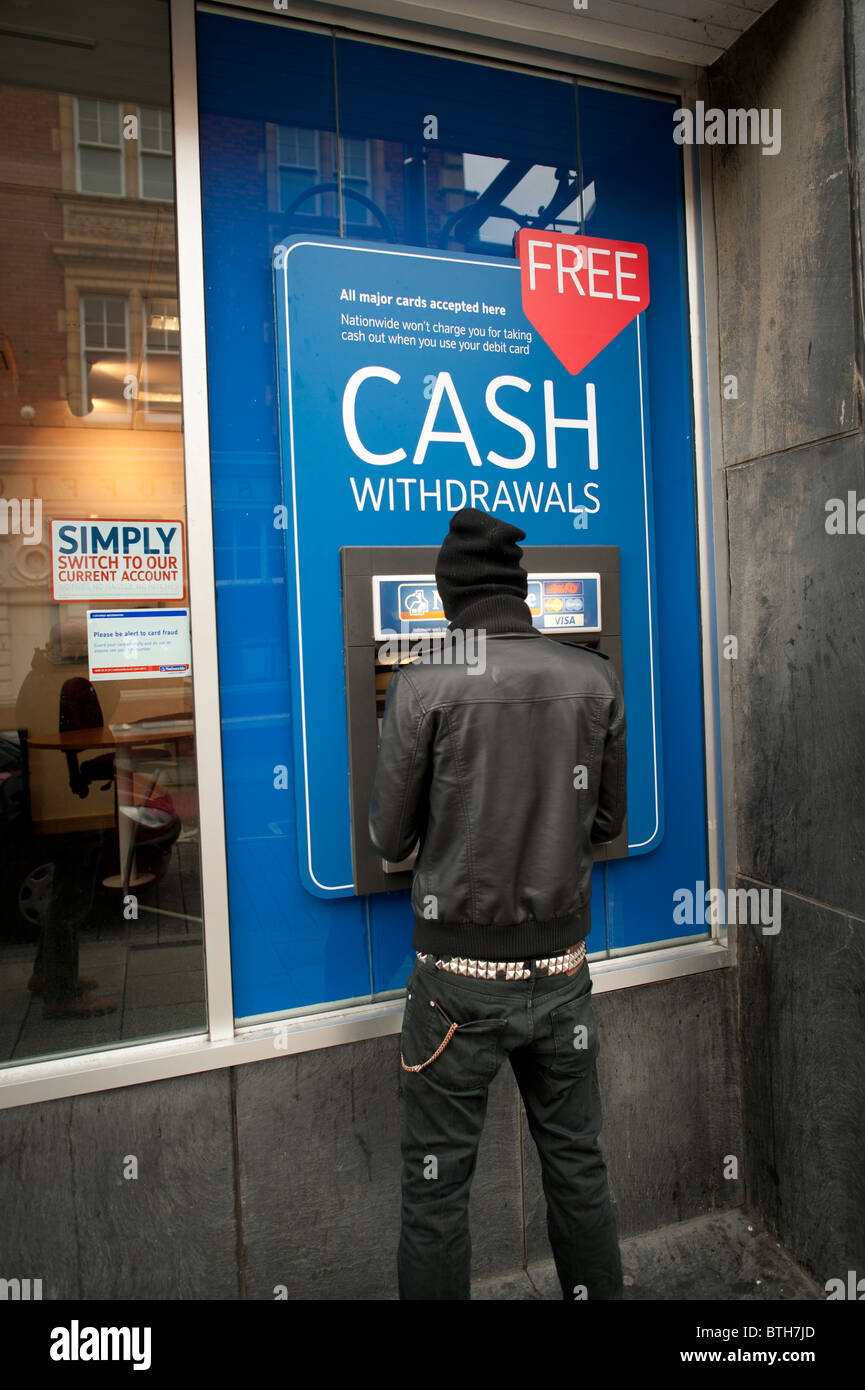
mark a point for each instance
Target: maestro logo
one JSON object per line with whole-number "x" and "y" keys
{"x": 580, "y": 292}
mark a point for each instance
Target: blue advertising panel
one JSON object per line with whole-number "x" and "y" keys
{"x": 271, "y": 101}
{"x": 412, "y": 384}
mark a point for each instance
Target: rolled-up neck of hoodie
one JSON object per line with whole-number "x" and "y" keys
{"x": 494, "y": 614}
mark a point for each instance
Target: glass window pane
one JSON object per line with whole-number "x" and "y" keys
{"x": 155, "y": 130}
{"x": 93, "y": 325}
{"x": 101, "y": 170}
{"x": 157, "y": 177}
{"x": 498, "y": 153}
{"x": 100, "y": 894}
{"x": 115, "y": 336}
{"x": 355, "y": 157}
{"x": 88, "y": 121}
{"x": 256, "y": 81}
{"x": 161, "y": 393}
{"x": 109, "y": 122}
{"x": 306, "y": 148}
{"x": 356, "y": 211}
{"x": 292, "y": 184}
{"x": 149, "y": 129}
{"x": 287, "y": 144}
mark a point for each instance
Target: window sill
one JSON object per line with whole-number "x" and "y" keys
{"x": 30, "y": 1082}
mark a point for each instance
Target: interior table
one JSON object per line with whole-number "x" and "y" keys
{"x": 122, "y": 739}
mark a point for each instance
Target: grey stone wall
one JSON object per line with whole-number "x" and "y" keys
{"x": 790, "y": 328}
{"x": 286, "y": 1172}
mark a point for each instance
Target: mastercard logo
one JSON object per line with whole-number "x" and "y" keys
{"x": 553, "y": 605}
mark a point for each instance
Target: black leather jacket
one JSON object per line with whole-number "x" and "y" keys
{"x": 483, "y": 766}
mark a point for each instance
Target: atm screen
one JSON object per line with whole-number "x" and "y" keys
{"x": 409, "y": 605}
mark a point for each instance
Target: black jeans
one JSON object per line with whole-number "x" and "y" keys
{"x": 545, "y": 1027}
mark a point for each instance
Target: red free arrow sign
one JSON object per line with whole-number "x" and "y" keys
{"x": 580, "y": 292}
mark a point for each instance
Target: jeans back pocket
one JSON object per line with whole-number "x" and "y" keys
{"x": 575, "y": 1035}
{"x": 441, "y": 1044}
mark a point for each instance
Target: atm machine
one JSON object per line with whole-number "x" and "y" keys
{"x": 389, "y": 591}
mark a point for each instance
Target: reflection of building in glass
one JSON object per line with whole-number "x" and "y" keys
{"x": 540, "y": 196}
{"x": 423, "y": 195}
{"x": 90, "y": 404}
{"x": 93, "y": 232}
{"x": 306, "y": 159}
{"x": 161, "y": 378}
{"x": 101, "y": 128}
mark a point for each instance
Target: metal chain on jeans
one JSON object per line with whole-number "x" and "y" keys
{"x": 434, "y": 1004}
{"x": 439, "y": 1050}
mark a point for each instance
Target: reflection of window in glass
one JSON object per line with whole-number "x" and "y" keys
{"x": 246, "y": 550}
{"x": 298, "y": 165}
{"x": 161, "y": 385}
{"x": 308, "y": 157}
{"x": 155, "y": 150}
{"x": 356, "y": 175}
{"x": 503, "y": 195}
{"x": 104, "y": 353}
{"x": 89, "y": 234}
{"x": 100, "y": 153}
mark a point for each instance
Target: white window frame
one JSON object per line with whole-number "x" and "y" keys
{"x": 167, "y": 155}
{"x": 353, "y": 211}
{"x": 311, "y": 208}
{"x": 159, "y": 414}
{"x": 96, "y": 193}
{"x": 325, "y": 173}
{"x": 119, "y": 415}
{"x": 225, "y": 1043}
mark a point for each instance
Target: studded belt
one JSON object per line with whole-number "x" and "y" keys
{"x": 566, "y": 964}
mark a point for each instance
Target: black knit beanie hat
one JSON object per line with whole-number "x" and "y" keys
{"x": 478, "y": 568}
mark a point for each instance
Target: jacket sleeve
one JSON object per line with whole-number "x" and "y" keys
{"x": 398, "y": 804}
{"x": 612, "y": 798}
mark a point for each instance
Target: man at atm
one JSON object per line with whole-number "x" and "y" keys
{"x": 506, "y": 772}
